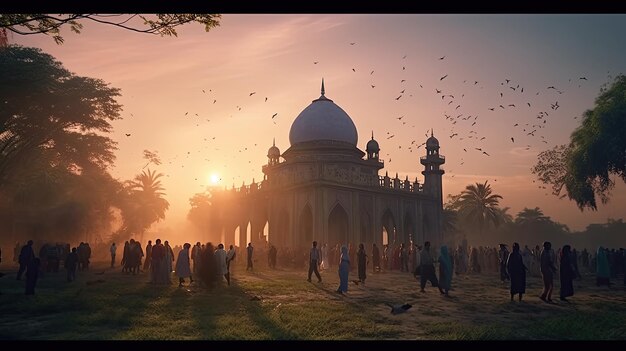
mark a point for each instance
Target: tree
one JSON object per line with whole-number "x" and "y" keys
{"x": 144, "y": 203}
{"x": 158, "y": 24}
{"x": 47, "y": 112}
{"x": 479, "y": 205}
{"x": 597, "y": 151}
{"x": 529, "y": 216}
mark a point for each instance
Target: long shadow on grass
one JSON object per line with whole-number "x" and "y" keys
{"x": 227, "y": 313}
{"x": 77, "y": 310}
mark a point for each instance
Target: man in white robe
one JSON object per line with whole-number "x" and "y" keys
{"x": 222, "y": 266}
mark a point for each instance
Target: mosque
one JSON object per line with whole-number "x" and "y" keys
{"x": 324, "y": 188}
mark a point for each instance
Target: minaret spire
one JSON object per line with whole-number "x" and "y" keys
{"x": 274, "y": 142}
{"x": 372, "y": 135}
{"x": 431, "y": 132}
{"x": 323, "y": 91}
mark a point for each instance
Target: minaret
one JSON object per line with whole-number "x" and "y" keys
{"x": 432, "y": 173}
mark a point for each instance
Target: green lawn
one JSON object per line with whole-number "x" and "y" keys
{"x": 125, "y": 307}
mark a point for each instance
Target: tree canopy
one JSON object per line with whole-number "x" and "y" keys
{"x": 597, "y": 151}
{"x": 157, "y": 24}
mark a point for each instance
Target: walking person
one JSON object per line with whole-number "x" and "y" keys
{"x": 230, "y": 257}
{"x": 517, "y": 272}
{"x": 249, "y": 250}
{"x": 27, "y": 255}
{"x": 148, "y": 260}
{"x": 222, "y": 265}
{"x": 503, "y": 256}
{"x": 427, "y": 269}
{"x": 445, "y": 271}
{"x": 361, "y": 258}
{"x": 71, "y": 263}
{"x": 315, "y": 256}
{"x": 183, "y": 268}
{"x": 547, "y": 271}
{"x": 567, "y": 273}
{"x": 344, "y": 270}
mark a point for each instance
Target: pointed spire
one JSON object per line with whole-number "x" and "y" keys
{"x": 274, "y": 142}
{"x": 386, "y": 174}
{"x": 431, "y": 132}
{"x": 323, "y": 91}
{"x": 252, "y": 181}
{"x": 372, "y": 134}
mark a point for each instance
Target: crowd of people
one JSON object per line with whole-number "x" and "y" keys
{"x": 212, "y": 264}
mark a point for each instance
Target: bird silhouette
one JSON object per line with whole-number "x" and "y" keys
{"x": 252, "y": 93}
{"x": 352, "y": 43}
{"x": 127, "y": 134}
{"x": 400, "y": 117}
{"x": 583, "y": 78}
{"x": 491, "y": 108}
{"x": 186, "y": 113}
{"x": 398, "y": 98}
{"x": 486, "y": 153}
{"x": 443, "y": 57}
{"x": 373, "y": 86}
{"x": 214, "y": 101}
{"x": 402, "y": 92}
{"x": 402, "y": 81}
{"x": 438, "y": 91}
{"x": 399, "y": 308}
{"x": 512, "y": 140}
{"x": 274, "y": 115}
{"x": 442, "y": 78}
{"x": 315, "y": 62}
{"x": 353, "y": 70}
{"x": 203, "y": 91}
{"x": 372, "y": 72}
{"x": 265, "y": 99}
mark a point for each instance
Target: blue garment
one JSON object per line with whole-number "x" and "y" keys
{"x": 445, "y": 268}
{"x": 344, "y": 269}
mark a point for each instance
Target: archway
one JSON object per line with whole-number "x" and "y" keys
{"x": 389, "y": 227}
{"x": 248, "y": 233}
{"x": 338, "y": 228}
{"x": 237, "y": 243}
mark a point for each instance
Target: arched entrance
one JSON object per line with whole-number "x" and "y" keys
{"x": 338, "y": 228}
{"x": 389, "y": 227}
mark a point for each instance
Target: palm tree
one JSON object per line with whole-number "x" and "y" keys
{"x": 479, "y": 205}
{"x": 448, "y": 220}
{"x": 504, "y": 216}
{"x": 529, "y": 216}
{"x": 147, "y": 202}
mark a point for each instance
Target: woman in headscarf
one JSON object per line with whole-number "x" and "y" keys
{"x": 445, "y": 270}
{"x": 517, "y": 272}
{"x": 344, "y": 269}
{"x": 361, "y": 262}
{"x": 567, "y": 273}
{"x": 183, "y": 267}
{"x": 602, "y": 268}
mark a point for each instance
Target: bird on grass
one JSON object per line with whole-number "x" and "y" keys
{"x": 400, "y": 308}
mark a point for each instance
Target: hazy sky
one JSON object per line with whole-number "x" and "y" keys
{"x": 273, "y": 55}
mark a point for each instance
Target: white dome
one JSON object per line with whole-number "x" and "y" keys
{"x": 323, "y": 120}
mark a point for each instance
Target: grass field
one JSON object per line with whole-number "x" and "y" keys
{"x": 126, "y": 307}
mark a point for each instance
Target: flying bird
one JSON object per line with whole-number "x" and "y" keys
{"x": 266, "y": 99}
{"x": 372, "y": 72}
{"x": 443, "y": 57}
{"x": 252, "y": 93}
{"x": 274, "y": 115}
{"x": 315, "y": 62}
{"x": 373, "y": 86}
{"x": 486, "y": 153}
{"x": 398, "y": 98}
{"x": 512, "y": 140}
{"x": 353, "y": 70}
{"x": 214, "y": 101}
{"x": 127, "y": 134}
{"x": 352, "y": 43}
{"x": 442, "y": 78}
{"x": 400, "y": 308}
{"x": 583, "y": 78}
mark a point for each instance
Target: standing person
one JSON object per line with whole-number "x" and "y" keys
{"x": 503, "y": 256}
{"x": 222, "y": 265}
{"x": 113, "y": 251}
{"x": 169, "y": 256}
{"x": 445, "y": 270}
{"x": 71, "y": 263}
{"x": 27, "y": 254}
{"x": 517, "y": 272}
{"x": 315, "y": 257}
{"x": 183, "y": 268}
{"x": 195, "y": 256}
{"x": 404, "y": 258}
{"x": 208, "y": 270}
{"x": 148, "y": 261}
{"x": 567, "y": 273}
{"x": 344, "y": 270}
{"x": 547, "y": 271}
{"x": 230, "y": 256}
{"x": 361, "y": 259}
{"x": 324, "y": 265}
{"x": 375, "y": 258}
{"x": 249, "y": 250}
{"x": 158, "y": 261}
{"x": 32, "y": 273}
{"x": 427, "y": 269}
{"x": 603, "y": 276}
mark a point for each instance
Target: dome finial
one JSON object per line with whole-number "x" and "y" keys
{"x": 323, "y": 91}
{"x": 372, "y": 135}
{"x": 431, "y": 132}
{"x": 274, "y": 142}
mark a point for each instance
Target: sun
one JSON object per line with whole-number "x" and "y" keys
{"x": 214, "y": 178}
